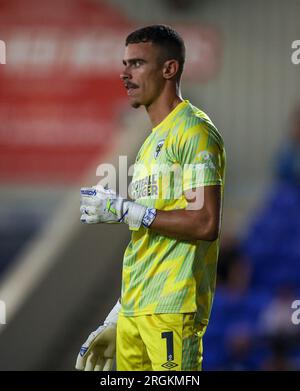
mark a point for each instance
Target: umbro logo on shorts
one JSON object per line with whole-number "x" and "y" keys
{"x": 169, "y": 365}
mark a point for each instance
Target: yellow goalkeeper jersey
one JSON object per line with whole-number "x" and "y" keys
{"x": 162, "y": 274}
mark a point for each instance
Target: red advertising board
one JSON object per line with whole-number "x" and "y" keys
{"x": 60, "y": 91}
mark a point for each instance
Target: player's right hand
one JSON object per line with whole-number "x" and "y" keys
{"x": 99, "y": 350}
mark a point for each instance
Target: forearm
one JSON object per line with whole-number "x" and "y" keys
{"x": 185, "y": 225}
{"x": 200, "y": 221}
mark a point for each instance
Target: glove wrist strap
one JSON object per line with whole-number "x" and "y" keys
{"x": 112, "y": 317}
{"x": 149, "y": 217}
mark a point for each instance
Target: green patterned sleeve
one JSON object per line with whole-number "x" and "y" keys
{"x": 200, "y": 153}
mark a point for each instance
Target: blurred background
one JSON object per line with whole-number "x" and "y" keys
{"x": 63, "y": 111}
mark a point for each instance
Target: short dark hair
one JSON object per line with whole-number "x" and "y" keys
{"x": 166, "y": 38}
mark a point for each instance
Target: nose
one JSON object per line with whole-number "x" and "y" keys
{"x": 125, "y": 75}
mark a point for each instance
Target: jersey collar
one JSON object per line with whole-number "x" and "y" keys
{"x": 172, "y": 114}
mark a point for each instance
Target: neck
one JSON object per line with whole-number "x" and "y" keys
{"x": 160, "y": 108}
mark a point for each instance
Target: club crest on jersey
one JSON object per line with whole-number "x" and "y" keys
{"x": 158, "y": 148}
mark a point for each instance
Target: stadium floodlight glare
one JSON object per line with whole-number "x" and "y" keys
{"x": 2, "y": 52}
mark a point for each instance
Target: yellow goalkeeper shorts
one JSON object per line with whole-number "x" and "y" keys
{"x": 159, "y": 342}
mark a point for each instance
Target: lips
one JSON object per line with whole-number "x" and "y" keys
{"x": 130, "y": 91}
{"x": 130, "y": 86}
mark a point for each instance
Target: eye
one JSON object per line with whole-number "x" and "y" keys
{"x": 137, "y": 63}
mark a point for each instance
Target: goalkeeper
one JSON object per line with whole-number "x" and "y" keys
{"x": 169, "y": 266}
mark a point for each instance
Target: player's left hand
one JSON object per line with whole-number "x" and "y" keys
{"x": 100, "y": 205}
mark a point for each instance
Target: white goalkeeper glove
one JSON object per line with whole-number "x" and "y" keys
{"x": 99, "y": 350}
{"x": 100, "y": 205}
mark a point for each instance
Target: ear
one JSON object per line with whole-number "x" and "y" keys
{"x": 170, "y": 69}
